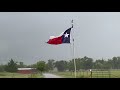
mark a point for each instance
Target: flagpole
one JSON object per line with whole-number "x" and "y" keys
{"x": 73, "y": 51}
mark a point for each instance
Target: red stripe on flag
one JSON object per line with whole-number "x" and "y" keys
{"x": 57, "y": 40}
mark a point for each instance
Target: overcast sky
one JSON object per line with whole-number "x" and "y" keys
{"x": 23, "y": 35}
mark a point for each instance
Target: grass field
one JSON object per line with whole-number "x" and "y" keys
{"x": 80, "y": 74}
{"x": 87, "y": 74}
{"x": 18, "y": 75}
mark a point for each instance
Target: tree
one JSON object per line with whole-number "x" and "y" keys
{"x": 2, "y": 68}
{"x": 61, "y": 65}
{"x": 21, "y": 65}
{"x": 71, "y": 65}
{"x": 88, "y": 63}
{"x": 41, "y": 66}
{"x": 118, "y": 62}
{"x": 114, "y": 61}
{"x": 99, "y": 64}
{"x": 11, "y": 66}
{"x": 46, "y": 67}
{"x": 84, "y": 63}
{"x": 50, "y": 64}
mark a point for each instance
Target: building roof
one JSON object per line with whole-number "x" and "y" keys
{"x": 26, "y": 68}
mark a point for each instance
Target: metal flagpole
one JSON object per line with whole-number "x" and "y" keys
{"x": 73, "y": 51}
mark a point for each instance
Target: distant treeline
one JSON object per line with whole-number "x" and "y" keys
{"x": 62, "y": 65}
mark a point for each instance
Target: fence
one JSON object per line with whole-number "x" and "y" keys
{"x": 100, "y": 74}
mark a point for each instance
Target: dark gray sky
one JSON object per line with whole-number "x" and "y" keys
{"x": 23, "y": 35}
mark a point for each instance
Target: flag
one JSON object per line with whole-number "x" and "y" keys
{"x": 63, "y": 38}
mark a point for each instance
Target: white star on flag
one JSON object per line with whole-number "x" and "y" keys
{"x": 66, "y": 35}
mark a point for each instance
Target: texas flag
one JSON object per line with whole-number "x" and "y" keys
{"x": 63, "y": 38}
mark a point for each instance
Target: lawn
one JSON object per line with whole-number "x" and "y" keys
{"x": 82, "y": 74}
{"x": 18, "y": 75}
{"x": 87, "y": 74}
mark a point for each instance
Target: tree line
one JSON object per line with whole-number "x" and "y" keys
{"x": 62, "y": 65}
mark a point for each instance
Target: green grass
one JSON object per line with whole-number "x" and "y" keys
{"x": 65, "y": 74}
{"x": 71, "y": 74}
{"x": 87, "y": 74}
{"x": 82, "y": 74}
{"x": 115, "y": 73}
{"x": 18, "y": 75}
